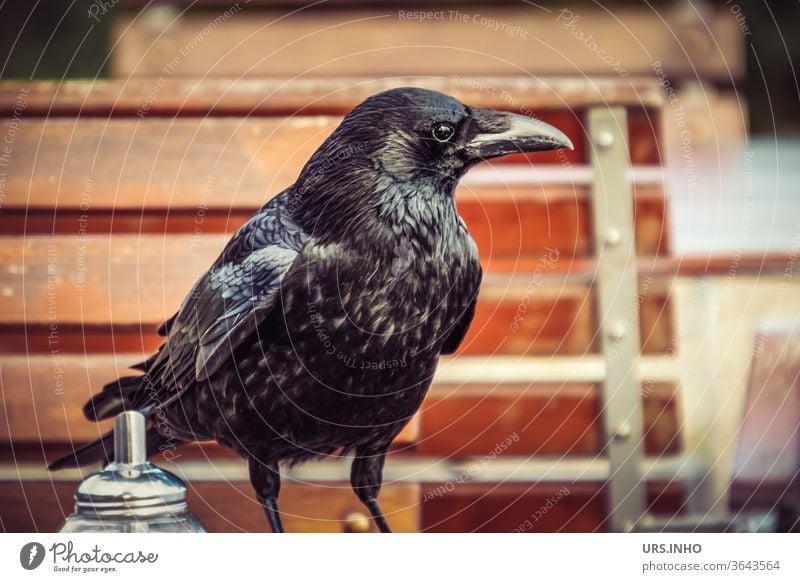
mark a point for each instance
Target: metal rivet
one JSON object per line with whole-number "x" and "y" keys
{"x": 356, "y": 522}
{"x": 616, "y": 332}
{"x": 604, "y": 139}
{"x": 613, "y": 236}
{"x": 623, "y": 431}
{"x": 647, "y": 520}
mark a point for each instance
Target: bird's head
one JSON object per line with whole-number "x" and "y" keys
{"x": 411, "y": 142}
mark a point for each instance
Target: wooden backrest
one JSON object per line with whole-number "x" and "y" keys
{"x": 257, "y": 40}
{"x": 117, "y": 195}
{"x": 115, "y": 202}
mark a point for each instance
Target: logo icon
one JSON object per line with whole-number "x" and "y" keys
{"x": 31, "y": 555}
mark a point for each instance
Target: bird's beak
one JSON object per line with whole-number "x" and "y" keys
{"x": 500, "y": 133}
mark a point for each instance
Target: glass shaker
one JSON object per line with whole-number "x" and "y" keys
{"x": 131, "y": 494}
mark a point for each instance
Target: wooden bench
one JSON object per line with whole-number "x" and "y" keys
{"x": 113, "y": 203}
{"x": 474, "y": 37}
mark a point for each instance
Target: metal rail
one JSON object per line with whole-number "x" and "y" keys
{"x": 618, "y": 313}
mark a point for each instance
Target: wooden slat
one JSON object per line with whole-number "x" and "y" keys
{"x": 535, "y": 419}
{"x": 123, "y": 279}
{"x": 43, "y": 396}
{"x": 535, "y": 219}
{"x": 167, "y": 162}
{"x": 555, "y": 319}
{"x": 180, "y": 163}
{"x": 128, "y": 281}
{"x": 505, "y": 220}
{"x": 380, "y": 42}
{"x": 318, "y": 96}
{"x": 183, "y": 163}
{"x": 218, "y": 163}
{"x": 37, "y": 506}
{"x": 756, "y": 264}
{"x": 487, "y": 507}
{"x": 544, "y": 321}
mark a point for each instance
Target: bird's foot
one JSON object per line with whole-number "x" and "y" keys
{"x": 377, "y": 515}
{"x": 273, "y": 515}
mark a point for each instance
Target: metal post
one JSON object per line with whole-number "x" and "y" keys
{"x": 618, "y": 313}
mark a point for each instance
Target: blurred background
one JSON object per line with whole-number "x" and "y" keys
{"x": 138, "y": 135}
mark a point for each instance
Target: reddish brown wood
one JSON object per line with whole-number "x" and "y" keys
{"x": 506, "y": 221}
{"x": 312, "y": 96}
{"x": 555, "y": 319}
{"x": 38, "y": 506}
{"x": 378, "y": 42}
{"x": 539, "y": 419}
{"x": 495, "y": 507}
{"x": 180, "y": 163}
{"x": 552, "y": 317}
{"x": 644, "y": 136}
{"x": 107, "y": 221}
{"x": 42, "y": 404}
{"x": 547, "y": 321}
{"x": 200, "y": 163}
{"x": 133, "y": 163}
{"x": 43, "y": 397}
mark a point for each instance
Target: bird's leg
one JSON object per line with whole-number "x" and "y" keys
{"x": 266, "y": 480}
{"x": 366, "y": 476}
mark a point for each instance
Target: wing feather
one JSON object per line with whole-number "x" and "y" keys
{"x": 228, "y": 302}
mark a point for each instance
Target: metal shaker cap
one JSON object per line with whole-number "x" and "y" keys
{"x": 131, "y": 486}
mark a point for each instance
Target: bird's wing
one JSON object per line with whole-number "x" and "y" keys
{"x": 240, "y": 296}
{"x": 459, "y": 330}
{"x": 228, "y": 302}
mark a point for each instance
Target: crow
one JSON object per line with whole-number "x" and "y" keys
{"x": 319, "y": 327}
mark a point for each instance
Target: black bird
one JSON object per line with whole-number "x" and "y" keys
{"x": 318, "y": 329}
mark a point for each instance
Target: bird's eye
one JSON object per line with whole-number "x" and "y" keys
{"x": 443, "y": 131}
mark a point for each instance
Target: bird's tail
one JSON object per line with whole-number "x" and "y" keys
{"x": 118, "y": 396}
{"x": 101, "y": 450}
